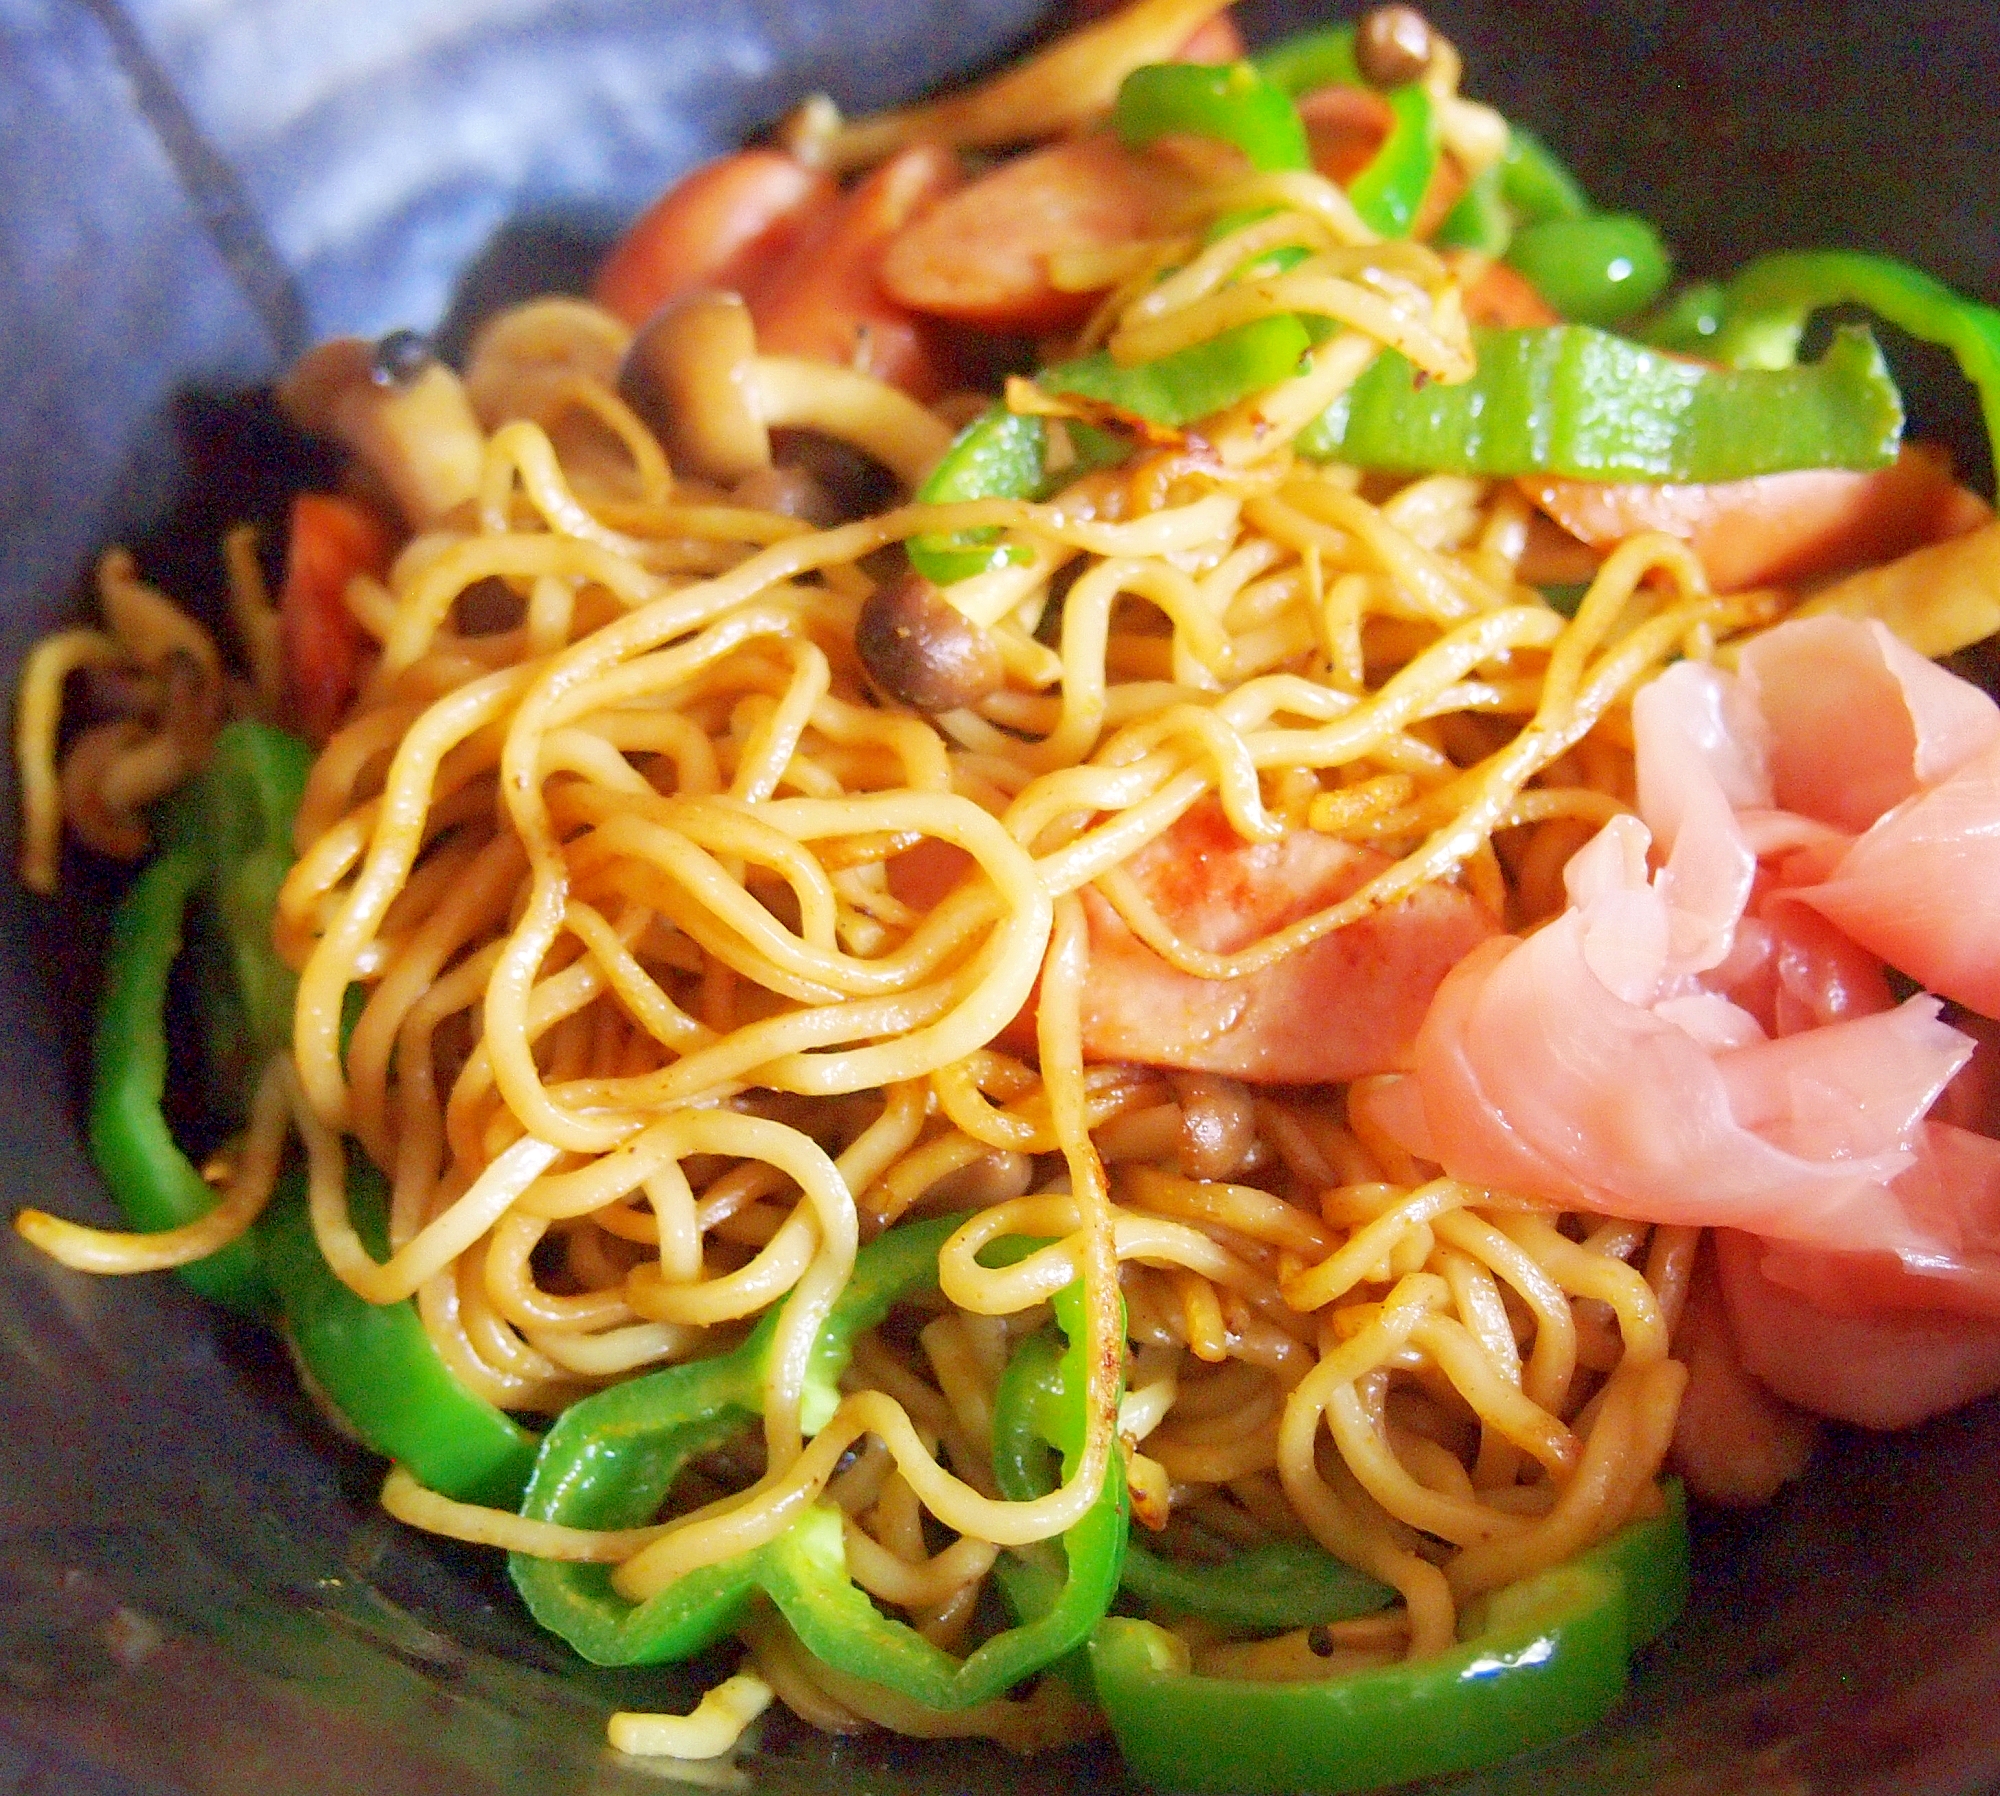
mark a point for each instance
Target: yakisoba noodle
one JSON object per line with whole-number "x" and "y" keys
{"x": 651, "y": 1042}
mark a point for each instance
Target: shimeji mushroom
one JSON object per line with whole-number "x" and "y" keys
{"x": 401, "y": 411}
{"x": 917, "y": 648}
{"x": 693, "y": 372}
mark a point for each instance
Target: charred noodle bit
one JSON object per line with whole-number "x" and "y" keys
{"x": 704, "y": 964}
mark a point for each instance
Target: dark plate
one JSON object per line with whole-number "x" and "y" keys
{"x": 195, "y": 1591}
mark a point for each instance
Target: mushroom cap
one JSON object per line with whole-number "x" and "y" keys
{"x": 919, "y": 650}
{"x": 1394, "y": 44}
{"x": 691, "y": 373}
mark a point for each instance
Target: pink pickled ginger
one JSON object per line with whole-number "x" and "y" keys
{"x": 1706, "y": 1034}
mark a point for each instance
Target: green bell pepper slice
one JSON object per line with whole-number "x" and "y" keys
{"x": 1282, "y": 1584}
{"x": 1270, "y": 1588}
{"x": 1192, "y": 383}
{"x": 1766, "y": 306}
{"x": 1390, "y": 188}
{"x": 610, "y": 1461}
{"x": 1003, "y": 454}
{"x": 1319, "y": 58}
{"x": 1528, "y": 209}
{"x": 1593, "y": 270}
{"x": 225, "y": 848}
{"x": 1230, "y": 102}
{"x": 375, "y": 1364}
{"x": 1482, "y": 221}
{"x": 998, "y": 455}
{"x": 1687, "y": 324}
{"x": 1038, "y": 1418}
{"x": 1578, "y": 401}
{"x": 1535, "y": 183}
{"x": 156, "y": 1185}
{"x": 1550, "y": 1663}
{"x": 1546, "y": 1658}
{"x": 243, "y": 806}
{"x": 1654, "y": 1558}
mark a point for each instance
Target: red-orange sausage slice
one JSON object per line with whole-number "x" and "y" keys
{"x": 982, "y": 257}
{"x": 724, "y": 225}
{"x": 1348, "y": 1005}
{"x": 1776, "y": 527}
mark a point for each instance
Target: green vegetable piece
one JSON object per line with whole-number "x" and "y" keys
{"x": 1545, "y": 1658}
{"x": 225, "y": 847}
{"x": 1482, "y": 221}
{"x": 1767, "y": 305}
{"x": 1687, "y": 324}
{"x": 1231, "y": 102}
{"x": 1652, "y": 1557}
{"x": 1536, "y": 184}
{"x": 610, "y": 1461}
{"x": 1038, "y": 1405}
{"x": 1281, "y": 1584}
{"x": 1322, "y": 58}
{"x": 1192, "y": 383}
{"x": 375, "y": 1363}
{"x": 246, "y": 799}
{"x": 1593, "y": 270}
{"x": 1388, "y": 191}
{"x": 1525, "y": 189}
{"x": 997, "y": 456}
{"x": 1577, "y": 401}
{"x": 156, "y": 1185}
{"x": 1550, "y": 1663}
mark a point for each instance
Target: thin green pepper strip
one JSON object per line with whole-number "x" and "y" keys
{"x": 1231, "y": 102}
{"x": 1766, "y": 306}
{"x": 1321, "y": 58}
{"x": 1593, "y": 270}
{"x": 1038, "y": 1406}
{"x": 375, "y": 1362}
{"x": 996, "y": 456}
{"x": 156, "y": 1185}
{"x": 1687, "y": 324}
{"x": 1389, "y": 190}
{"x": 1001, "y": 454}
{"x": 1593, "y": 267}
{"x": 226, "y": 843}
{"x": 610, "y": 1461}
{"x": 1282, "y": 1584}
{"x": 1192, "y": 383}
{"x": 1536, "y": 184}
{"x": 1577, "y": 401}
{"x": 1263, "y": 1589}
{"x": 1654, "y": 1559}
{"x": 1547, "y": 1659}
{"x": 1482, "y": 220}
